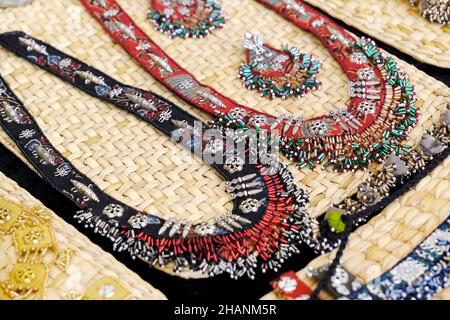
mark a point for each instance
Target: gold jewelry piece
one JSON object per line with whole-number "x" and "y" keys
{"x": 33, "y": 237}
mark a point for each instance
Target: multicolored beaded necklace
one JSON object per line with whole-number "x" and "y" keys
{"x": 378, "y": 119}
{"x": 269, "y": 208}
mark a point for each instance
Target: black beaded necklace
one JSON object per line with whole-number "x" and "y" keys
{"x": 269, "y": 208}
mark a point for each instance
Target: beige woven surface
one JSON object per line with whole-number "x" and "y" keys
{"x": 377, "y": 246}
{"x": 88, "y": 264}
{"x": 396, "y": 23}
{"x": 135, "y": 163}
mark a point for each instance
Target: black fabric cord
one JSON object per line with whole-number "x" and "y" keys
{"x": 332, "y": 267}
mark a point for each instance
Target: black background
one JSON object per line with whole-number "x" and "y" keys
{"x": 212, "y": 289}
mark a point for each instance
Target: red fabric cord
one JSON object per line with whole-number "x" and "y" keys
{"x": 146, "y": 61}
{"x": 163, "y": 68}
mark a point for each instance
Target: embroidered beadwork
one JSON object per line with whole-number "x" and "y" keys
{"x": 113, "y": 210}
{"x": 250, "y": 205}
{"x": 434, "y": 10}
{"x": 348, "y": 140}
{"x": 85, "y": 190}
{"x": 186, "y": 18}
{"x": 234, "y": 164}
{"x": 397, "y": 169}
{"x": 34, "y": 239}
{"x": 420, "y": 275}
{"x": 276, "y": 73}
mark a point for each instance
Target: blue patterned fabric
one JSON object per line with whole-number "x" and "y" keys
{"x": 419, "y": 276}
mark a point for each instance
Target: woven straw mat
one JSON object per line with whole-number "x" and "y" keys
{"x": 132, "y": 161}
{"x": 396, "y": 23}
{"x": 88, "y": 264}
{"x": 377, "y": 246}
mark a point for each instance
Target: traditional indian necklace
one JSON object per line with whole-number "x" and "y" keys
{"x": 269, "y": 208}
{"x": 378, "y": 118}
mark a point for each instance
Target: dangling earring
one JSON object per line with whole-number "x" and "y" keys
{"x": 186, "y": 18}
{"x": 277, "y": 73}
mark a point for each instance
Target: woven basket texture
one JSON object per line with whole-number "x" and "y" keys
{"x": 132, "y": 161}
{"x": 88, "y": 264}
{"x": 396, "y": 23}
